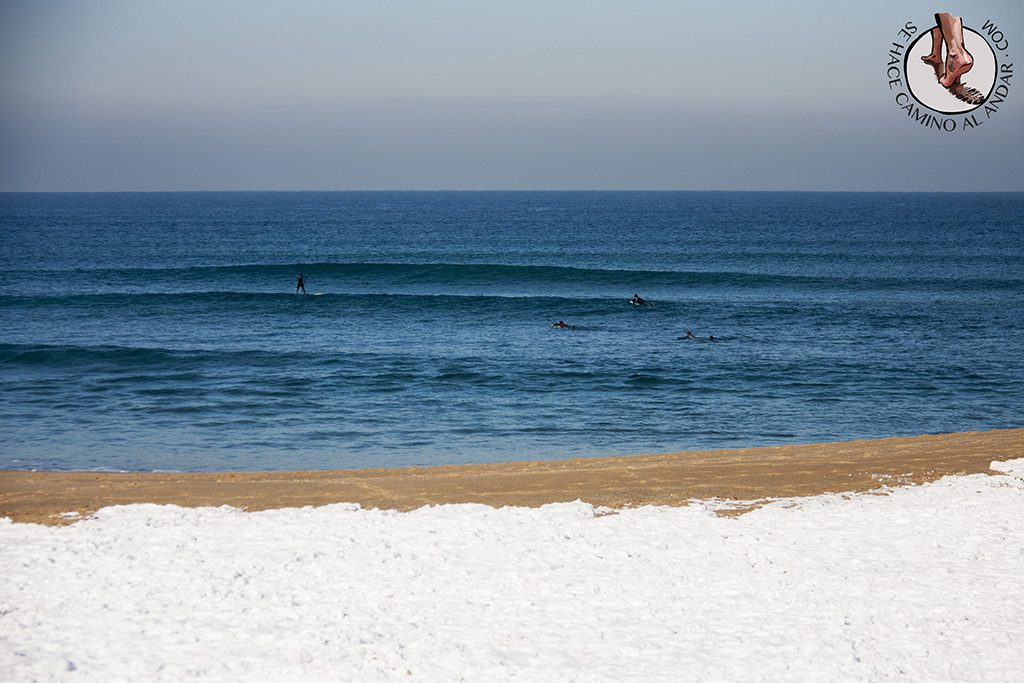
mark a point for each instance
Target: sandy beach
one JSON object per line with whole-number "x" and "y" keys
{"x": 751, "y": 474}
{"x": 921, "y": 583}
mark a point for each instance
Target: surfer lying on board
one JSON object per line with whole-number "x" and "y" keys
{"x": 689, "y": 335}
{"x": 562, "y": 326}
{"x": 301, "y": 284}
{"x": 638, "y": 300}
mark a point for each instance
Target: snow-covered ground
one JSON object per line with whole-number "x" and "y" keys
{"x": 925, "y": 583}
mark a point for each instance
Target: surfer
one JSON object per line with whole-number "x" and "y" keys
{"x": 638, "y": 300}
{"x": 301, "y": 285}
{"x": 689, "y": 335}
{"x": 562, "y": 326}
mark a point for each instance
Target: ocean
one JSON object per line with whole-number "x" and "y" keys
{"x": 162, "y": 331}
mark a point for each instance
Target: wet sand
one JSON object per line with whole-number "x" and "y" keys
{"x": 748, "y": 474}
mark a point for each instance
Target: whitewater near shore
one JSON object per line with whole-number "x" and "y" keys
{"x": 920, "y": 582}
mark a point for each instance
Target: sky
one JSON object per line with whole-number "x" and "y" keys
{"x": 662, "y": 95}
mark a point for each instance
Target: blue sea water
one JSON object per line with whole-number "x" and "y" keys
{"x": 163, "y": 331}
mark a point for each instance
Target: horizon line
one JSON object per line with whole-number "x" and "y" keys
{"x": 505, "y": 190}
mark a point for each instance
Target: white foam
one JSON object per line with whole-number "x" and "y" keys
{"x": 925, "y": 582}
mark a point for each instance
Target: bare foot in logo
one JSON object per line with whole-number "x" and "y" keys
{"x": 957, "y": 64}
{"x": 935, "y": 58}
{"x": 958, "y": 60}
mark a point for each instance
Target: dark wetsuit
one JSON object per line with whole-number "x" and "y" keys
{"x": 301, "y": 285}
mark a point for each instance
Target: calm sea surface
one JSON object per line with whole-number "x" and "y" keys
{"x": 163, "y": 332}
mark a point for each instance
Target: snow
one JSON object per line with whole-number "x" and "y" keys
{"x": 923, "y": 582}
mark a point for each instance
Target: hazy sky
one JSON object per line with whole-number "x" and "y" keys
{"x": 200, "y": 94}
